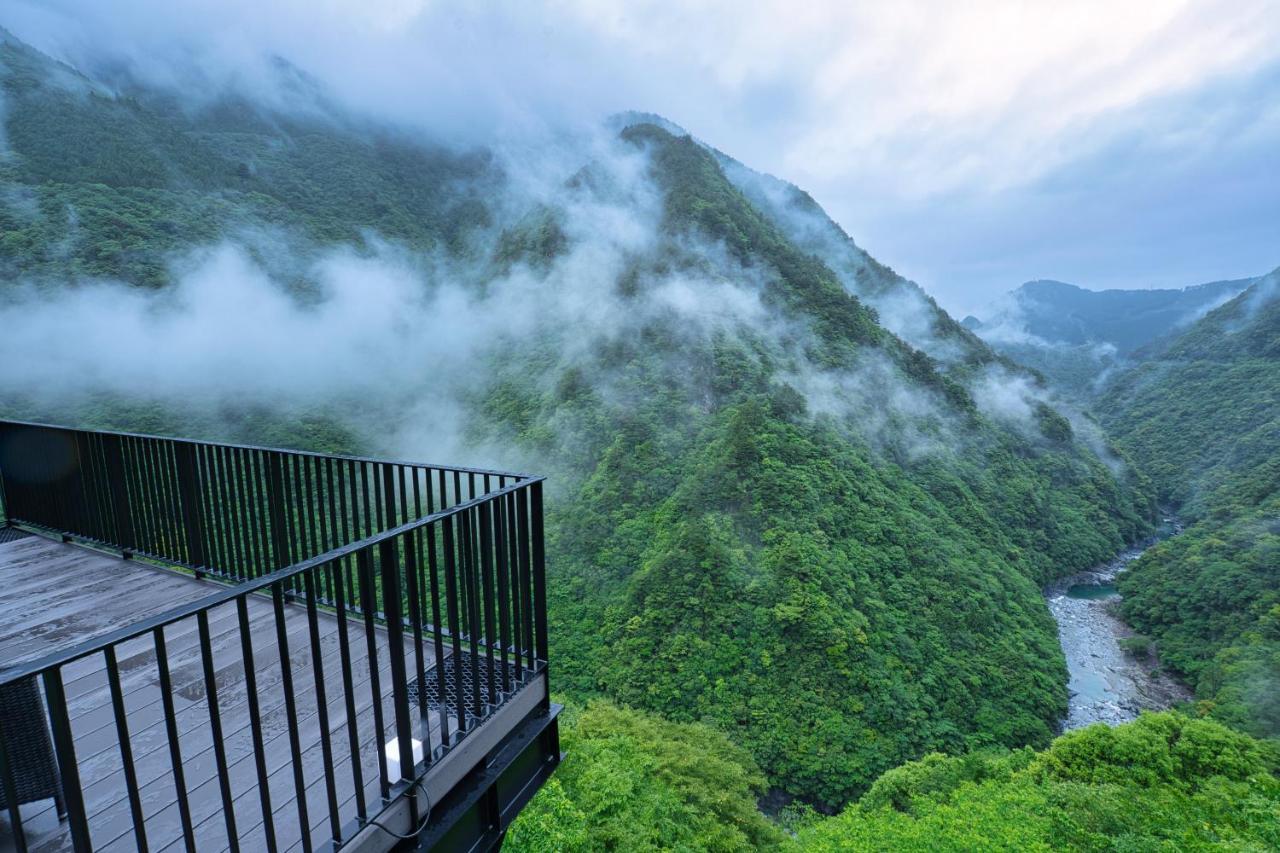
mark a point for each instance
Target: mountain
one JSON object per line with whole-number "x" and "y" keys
{"x": 791, "y": 499}
{"x": 1125, "y": 319}
{"x": 1075, "y": 336}
{"x": 1202, "y": 417}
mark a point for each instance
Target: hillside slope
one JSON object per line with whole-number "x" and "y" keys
{"x": 791, "y": 499}
{"x": 1203, "y": 418}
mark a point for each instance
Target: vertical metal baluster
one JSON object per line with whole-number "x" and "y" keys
{"x": 258, "y": 519}
{"x": 212, "y": 523}
{"x": 417, "y": 514}
{"x": 471, "y": 524}
{"x": 226, "y": 490}
{"x": 314, "y": 540}
{"x": 68, "y": 768}
{"x": 215, "y": 730}
{"x": 364, "y": 562}
{"x": 169, "y": 463}
{"x": 513, "y": 559}
{"x": 437, "y": 635}
{"x": 126, "y": 749}
{"x": 175, "y": 750}
{"x": 348, "y": 689}
{"x": 391, "y": 606}
{"x": 383, "y": 502}
{"x": 526, "y": 591}
{"x": 412, "y": 562}
{"x": 539, "y": 574}
{"x": 291, "y": 713}
{"x": 91, "y": 458}
{"x": 455, "y": 628}
{"x": 486, "y": 581}
{"x": 113, "y": 453}
{"x": 324, "y": 501}
{"x": 348, "y": 523}
{"x": 292, "y": 503}
{"x": 275, "y": 496}
{"x": 504, "y": 603}
{"x": 236, "y": 512}
{"x": 322, "y": 705}
{"x": 240, "y": 486}
{"x": 234, "y": 564}
{"x": 189, "y": 483}
{"x": 369, "y": 515}
{"x": 300, "y": 510}
{"x": 255, "y": 722}
{"x": 155, "y": 525}
{"x": 139, "y": 500}
{"x": 206, "y": 502}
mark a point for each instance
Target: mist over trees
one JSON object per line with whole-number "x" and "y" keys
{"x": 800, "y": 518}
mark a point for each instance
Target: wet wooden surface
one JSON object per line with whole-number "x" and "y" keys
{"x": 54, "y": 595}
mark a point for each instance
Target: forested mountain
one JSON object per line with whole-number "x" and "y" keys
{"x": 1075, "y": 336}
{"x": 794, "y": 505}
{"x": 1202, "y": 417}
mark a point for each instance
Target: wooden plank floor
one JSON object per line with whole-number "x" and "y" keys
{"x": 53, "y": 595}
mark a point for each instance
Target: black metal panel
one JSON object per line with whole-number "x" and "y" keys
{"x": 475, "y": 815}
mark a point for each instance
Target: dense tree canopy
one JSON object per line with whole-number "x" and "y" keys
{"x": 1203, "y": 417}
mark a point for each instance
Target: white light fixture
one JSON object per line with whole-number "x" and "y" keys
{"x": 392, "y": 750}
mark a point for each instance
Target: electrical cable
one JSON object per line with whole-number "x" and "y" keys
{"x": 422, "y": 824}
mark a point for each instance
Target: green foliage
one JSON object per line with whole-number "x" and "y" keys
{"x": 1203, "y": 418}
{"x": 1163, "y": 782}
{"x": 1138, "y": 645}
{"x": 105, "y": 186}
{"x": 632, "y": 781}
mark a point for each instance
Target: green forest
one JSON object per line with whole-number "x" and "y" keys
{"x": 633, "y": 782}
{"x": 796, "y": 560}
{"x": 1202, "y": 416}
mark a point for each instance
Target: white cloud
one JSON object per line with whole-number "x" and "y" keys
{"x": 885, "y": 111}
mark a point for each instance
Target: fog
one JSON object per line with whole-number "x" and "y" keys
{"x": 400, "y": 345}
{"x": 1128, "y": 147}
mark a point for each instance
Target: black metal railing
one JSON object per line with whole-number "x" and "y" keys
{"x": 369, "y": 603}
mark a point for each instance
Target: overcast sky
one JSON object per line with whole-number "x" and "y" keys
{"x": 969, "y": 145}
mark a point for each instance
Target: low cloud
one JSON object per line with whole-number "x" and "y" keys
{"x": 969, "y": 179}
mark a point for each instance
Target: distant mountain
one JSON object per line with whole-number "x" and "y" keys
{"x": 1075, "y": 336}
{"x": 1062, "y": 313}
{"x": 1201, "y": 415}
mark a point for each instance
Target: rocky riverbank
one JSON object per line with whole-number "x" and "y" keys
{"x": 1107, "y": 684}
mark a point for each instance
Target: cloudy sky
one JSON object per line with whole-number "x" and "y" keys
{"x": 971, "y": 146}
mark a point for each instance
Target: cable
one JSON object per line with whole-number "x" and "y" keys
{"x": 422, "y": 824}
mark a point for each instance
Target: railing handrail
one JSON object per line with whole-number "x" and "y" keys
{"x": 350, "y": 535}
{"x": 231, "y": 593}
{"x": 492, "y": 472}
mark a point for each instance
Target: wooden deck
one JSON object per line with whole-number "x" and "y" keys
{"x": 53, "y": 595}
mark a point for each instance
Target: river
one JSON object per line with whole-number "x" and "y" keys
{"x": 1107, "y": 684}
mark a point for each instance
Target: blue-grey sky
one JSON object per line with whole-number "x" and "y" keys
{"x": 971, "y": 146}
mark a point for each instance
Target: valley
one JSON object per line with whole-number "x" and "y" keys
{"x": 807, "y": 536}
{"x": 1107, "y": 682}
